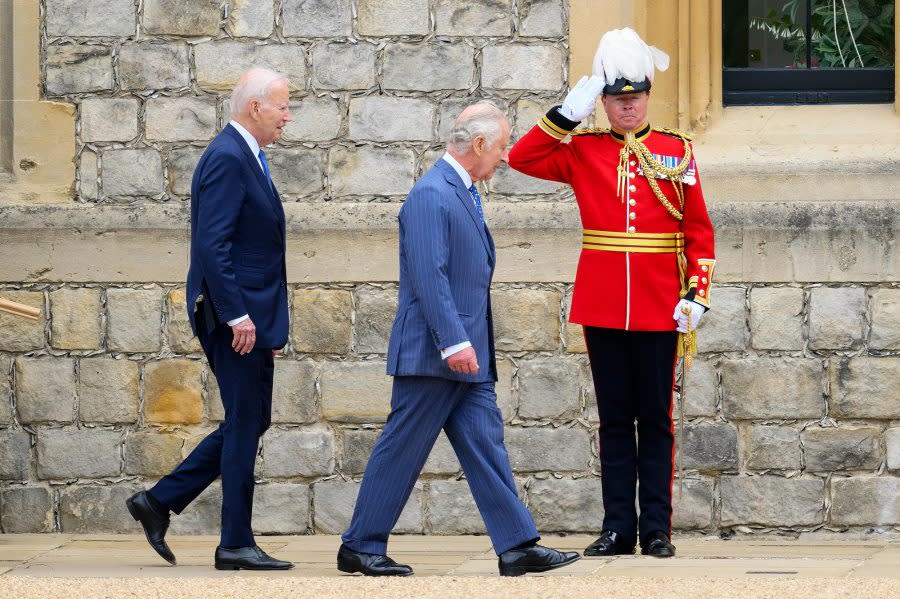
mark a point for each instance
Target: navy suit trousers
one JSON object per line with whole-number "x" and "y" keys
{"x": 420, "y": 407}
{"x": 245, "y": 385}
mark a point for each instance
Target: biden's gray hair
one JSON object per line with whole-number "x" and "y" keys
{"x": 482, "y": 118}
{"x": 255, "y": 84}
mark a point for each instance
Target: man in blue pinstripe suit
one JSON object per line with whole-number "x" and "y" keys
{"x": 441, "y": 354}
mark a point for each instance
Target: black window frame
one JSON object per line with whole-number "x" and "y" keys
{"x": 747, "y": 86}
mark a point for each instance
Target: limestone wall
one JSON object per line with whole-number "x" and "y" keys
{"x": 793, "y": 406}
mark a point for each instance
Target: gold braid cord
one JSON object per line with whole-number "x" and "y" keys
{"x": 652, "y": 168}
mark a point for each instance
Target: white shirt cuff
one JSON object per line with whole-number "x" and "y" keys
{"x": 231, "y": 323}
{"x": 449, "y": 351}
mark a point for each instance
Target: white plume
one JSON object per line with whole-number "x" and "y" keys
{"x": 623, "y": 54}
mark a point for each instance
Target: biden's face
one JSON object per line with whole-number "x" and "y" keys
{"x": 274, "y": 114}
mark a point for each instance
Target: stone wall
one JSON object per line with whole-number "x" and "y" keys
{"x": 793, "y": 406}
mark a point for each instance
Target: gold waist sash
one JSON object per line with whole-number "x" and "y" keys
{"x": 648, "y": 243}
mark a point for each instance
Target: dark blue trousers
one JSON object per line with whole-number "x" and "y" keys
{"x": 633, "y": 375}
{"x": 468, "y": 413}
{"x": 245, "y": 385}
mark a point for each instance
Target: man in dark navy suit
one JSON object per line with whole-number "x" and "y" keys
{"x": 237, "y": 305}
{"x": 441, "y": 354}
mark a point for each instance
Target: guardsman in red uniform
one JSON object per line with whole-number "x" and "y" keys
{"x": 644, "y": 275}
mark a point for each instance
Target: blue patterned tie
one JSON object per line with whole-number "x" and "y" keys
{"x": 265, "y": 165}
{"x": 474, "y": 191}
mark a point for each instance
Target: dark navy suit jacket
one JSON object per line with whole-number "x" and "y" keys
{"x": 238, "y": 241}
{"x": 446, "y": 265}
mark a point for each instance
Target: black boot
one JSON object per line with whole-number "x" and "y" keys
{"x": 608, "y": 543}
{"x": 155, "y": 521}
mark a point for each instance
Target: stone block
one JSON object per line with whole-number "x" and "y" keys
{"x": 549, "y": 388}
{"x": 45, "y": 389}
{"x": 182, "y": 163}
{"x": 152, "y": 453}
{"x": 526, "y": 319}
{"x": 393, "y": 17}
{"x": 26, "y": 510}
{"x": 771, "y": 447}
{"x": 6, "y": 414}
{"x": 554, "y": 449}
{"x": 836, "y": 317}
{"x": 355, "y": 391}
{"x": 451, "y": 108}
{"x": 294, "y": 392}
{"x": 442, "y": 458}
{"x": 19, "y": 334}
{"x": 297, "y": 172}
{"x": 865, "y": 501}
{"x": 772, "y": 501}
{"x": 135, "y": 316}
{"x": 203, "y": 516}
{"x": 77, "y": 69}
{"x": 767, "y": 388}
{"x": 357, "y": 446}
{"x": 96, "y": 509}
{"x": 334, "y": 501}
{"x": 84, "y": 453}
{"x": 506, "y": 401}
{"x": 181, "y": 337}
{"x": 75, "y": 321}
{"x": 375, "y": 310}
{"x": 321, "y": 320}
{"x": 172, "y": 392}
{"x": 692, "y": 508}
{"x": 850, "y": 448}
{"x": 180, "y": 119}
{"x": 15, "y": 455}
{"x": 528, "y": 113}
{"x": 89, "y": 187}
{"x": 885, "y": 319}
{"x": 892, "y": 440}
{"x": 99, "y": 18}
{"x": 709, "y": 446}
{"x": 154, "y": 65}
{"x": 724, "y": 327}
{"x": 317, "y": 18}
{"x": 776, "y": 318}
{"x": 281, "y": 508}
{"x": 527, "y": 67}
{"x": 566, "y": 505}
{"x": 109, "y": 119}
{"x": 542, "y": 18}
{"x": 452, "y": 509}
{"x": 315, "y": 119}
{"x": 361, "y": 171}
{"x": 510, "y": 182}
{"x": 865, "y": 387}
{"x": 383, "y": 118}
{"x": 476, "y": 18}
{"x": 428, "y": 67}
{"x": 175, "y": 17}
{"x": 293, "y": 452}
{"x": 252, "y": 18}
{"x": 343, "y": 66}
{"x": 701, "y": 395}
{"x": 220, "y": 64}
{"x": 108, "y": 390}
{"x": 132, "y": 172}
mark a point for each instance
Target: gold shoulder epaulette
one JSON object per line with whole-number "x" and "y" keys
{"x": 590, "y": 132}
{"x": 673, "y": 133}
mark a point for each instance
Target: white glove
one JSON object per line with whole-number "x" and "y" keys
{"x": 582, "y": 99}
{"x": 693, "y": 310}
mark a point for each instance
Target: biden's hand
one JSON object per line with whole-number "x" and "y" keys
{"x": 244, "y": 336}
{"x": 464, "y": 361}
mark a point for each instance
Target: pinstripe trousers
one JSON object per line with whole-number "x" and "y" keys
{"x": 468, "y": 413}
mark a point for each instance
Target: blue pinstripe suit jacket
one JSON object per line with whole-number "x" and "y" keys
{"x": 446, "y": 265}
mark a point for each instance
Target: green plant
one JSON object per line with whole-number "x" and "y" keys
{"x": 871, "y": 23}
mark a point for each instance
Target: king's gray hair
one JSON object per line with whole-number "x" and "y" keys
{"x": 482, "y": 118}
{"x": 255, "y": 84}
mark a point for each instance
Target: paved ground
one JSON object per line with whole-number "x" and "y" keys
{"x": 124, "y": 566}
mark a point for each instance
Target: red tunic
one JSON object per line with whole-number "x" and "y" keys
{"x": 634, "y": 289}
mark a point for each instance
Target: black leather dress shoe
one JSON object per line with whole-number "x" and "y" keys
{"x": 248, "y": 558}
{"x": 369, "y": 564}
{"x": 536, "y": 558}
{"x": 658, "y": 545}
{"x": 155, "y": 524}
{"x": 608, "y": 543}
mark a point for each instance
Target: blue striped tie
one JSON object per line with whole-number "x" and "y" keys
{"x": 474, "y": 191}
{"x": 265, "y": 165}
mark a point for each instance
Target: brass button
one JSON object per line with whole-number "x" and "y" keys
{"x": 632, "y": 202}
{"x": 631, "y": 175}
{"x": 703, "y": 280}
{"x": 631, "y": 229}
{"x": 632, "y": 163}
{"x": 632, "y": 188}
{"x": 704, "y": 268}
{"x": 702, "y": 292}
{"x": 632, "y": 216}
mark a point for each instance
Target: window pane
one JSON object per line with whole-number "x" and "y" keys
{"x": 852, "y": 33}
{"x": 777, "y": 33}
